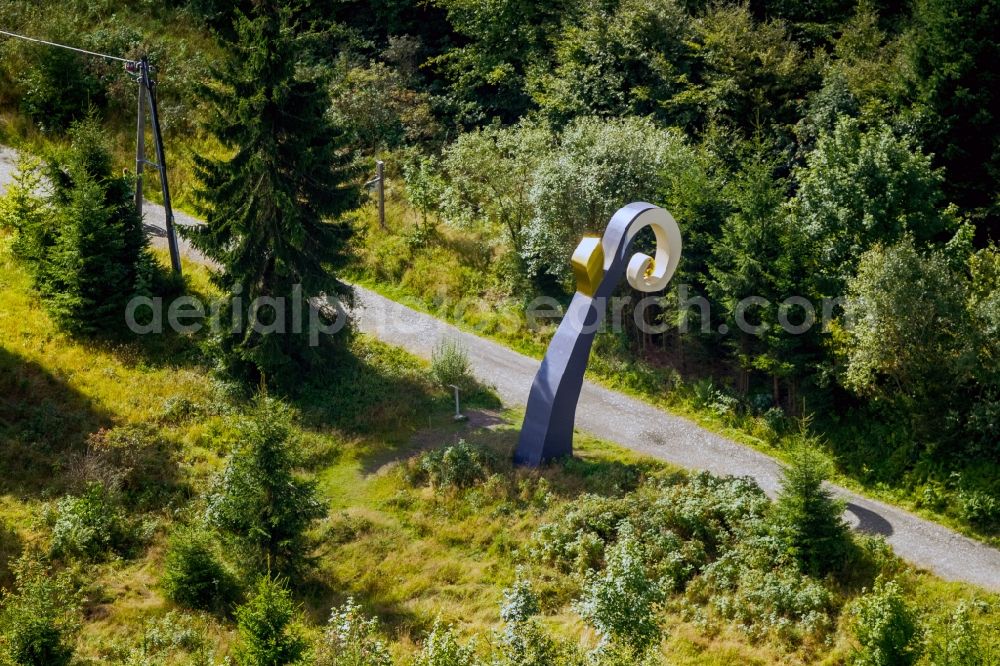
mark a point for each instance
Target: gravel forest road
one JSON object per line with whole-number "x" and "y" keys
{"x": 639, "y": 426}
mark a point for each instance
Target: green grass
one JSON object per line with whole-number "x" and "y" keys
{"x": 442, "y": 276}
{"x": 406, "y": 552}
{"x": 447, "y": 270}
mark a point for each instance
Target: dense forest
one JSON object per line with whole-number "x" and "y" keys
{"x": 834, "y": 167}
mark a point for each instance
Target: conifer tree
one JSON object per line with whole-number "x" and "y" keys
{"x": 273, "y": 204}
{"x": 268, "y": 632}
{"x": 808, "y": 517}
{"x": 91, "y": 256}
{"x": 756, "y": 256}
{"x": 259, "y": 502}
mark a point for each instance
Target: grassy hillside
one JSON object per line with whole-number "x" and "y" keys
{"x": 409, "y": 552}
{"x": 323, "y": 504}
{"x": 437, "y": 77}
{"x": 443, "y": 270}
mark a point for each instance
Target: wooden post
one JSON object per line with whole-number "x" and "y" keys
{"x": 161, "y": 161}
{"x": 380, "y": 184}
{"x": 140, "y": 146}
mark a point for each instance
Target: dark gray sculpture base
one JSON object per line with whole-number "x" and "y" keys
{"x": 547, "y": 432}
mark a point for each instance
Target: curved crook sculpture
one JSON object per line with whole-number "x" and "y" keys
{"x": 598, "y": 264}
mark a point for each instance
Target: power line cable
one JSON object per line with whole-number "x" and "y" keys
{"x": 142, "y": 68}
{"x": 63, "y": 46}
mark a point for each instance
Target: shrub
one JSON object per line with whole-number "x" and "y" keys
{"x": 953, "y": 640}
{"x": 459, "y": 466}
{"x": 267, "y": 630}
{"x": 870, "y": 558}
{"x": 980, "y": 508}
{"x": 10, "y": 546}
{"x": 861, "y": 186}
{"x": 161, "y": 641}
{"x": 520, "y": 603}
{"x": 38, "y": 620}
{"x": 701, "y": 534}
{"x": 717, "y": 511}
{"x": 681, "y": 523}
{"x": 807, "y": 518}
{"x": 377, "y": 108}
{"x": 576, "y": 541}
{"x": 441, "y": 648}
{"x": 135, "y": 461}
{"x": 911, "y": 336}
{"x": 748, "y": 573}
{"x": 755, "y": 586}
{"x": 450, "y": 365}
{"x": 618, "y": 654}
{"x": 424, "y": 188}
{"x": 523, "y": 641}
{"x": 578, "y": 185}
{"x": 91, "y": 526}
{"x": 488, "y": 174}
{"x": 621, "y": 601}
{"x": 193, "y": 575}
{"x": 526, "y": 644}
{"x": 258, "y": 501}
{"x": 352, "y": 639}
{"x": 58, "y": 89}
{"x": 885, "y": 627}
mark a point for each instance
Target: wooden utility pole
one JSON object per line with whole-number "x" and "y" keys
{"x": 147, "y": 90}
{"x": 380, "y": 178}
{"x": 378, "y": 182}
{"x": 140, "y": 148}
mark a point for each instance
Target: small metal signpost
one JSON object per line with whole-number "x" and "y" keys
{"x": 459, "y": 416}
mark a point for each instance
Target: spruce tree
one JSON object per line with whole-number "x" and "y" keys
{"x": 92, "y": 256}
{"x": 807, "y": 517}
{"x": 755, "y": 255}
{"x": 259, "y": 503}
{"x": 269, "y": 635}
{"x": 274, "y": 203}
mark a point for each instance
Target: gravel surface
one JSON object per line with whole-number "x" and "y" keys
{"x": 8, "y": 159}
{"x": 639, "y": 426}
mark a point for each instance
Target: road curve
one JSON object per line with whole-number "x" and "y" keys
{"x": 639, "y": 426}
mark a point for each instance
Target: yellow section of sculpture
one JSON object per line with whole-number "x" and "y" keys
{"x": 588, "y": 265}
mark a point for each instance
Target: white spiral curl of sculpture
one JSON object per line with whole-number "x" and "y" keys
{"x": 647, "y": 273}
